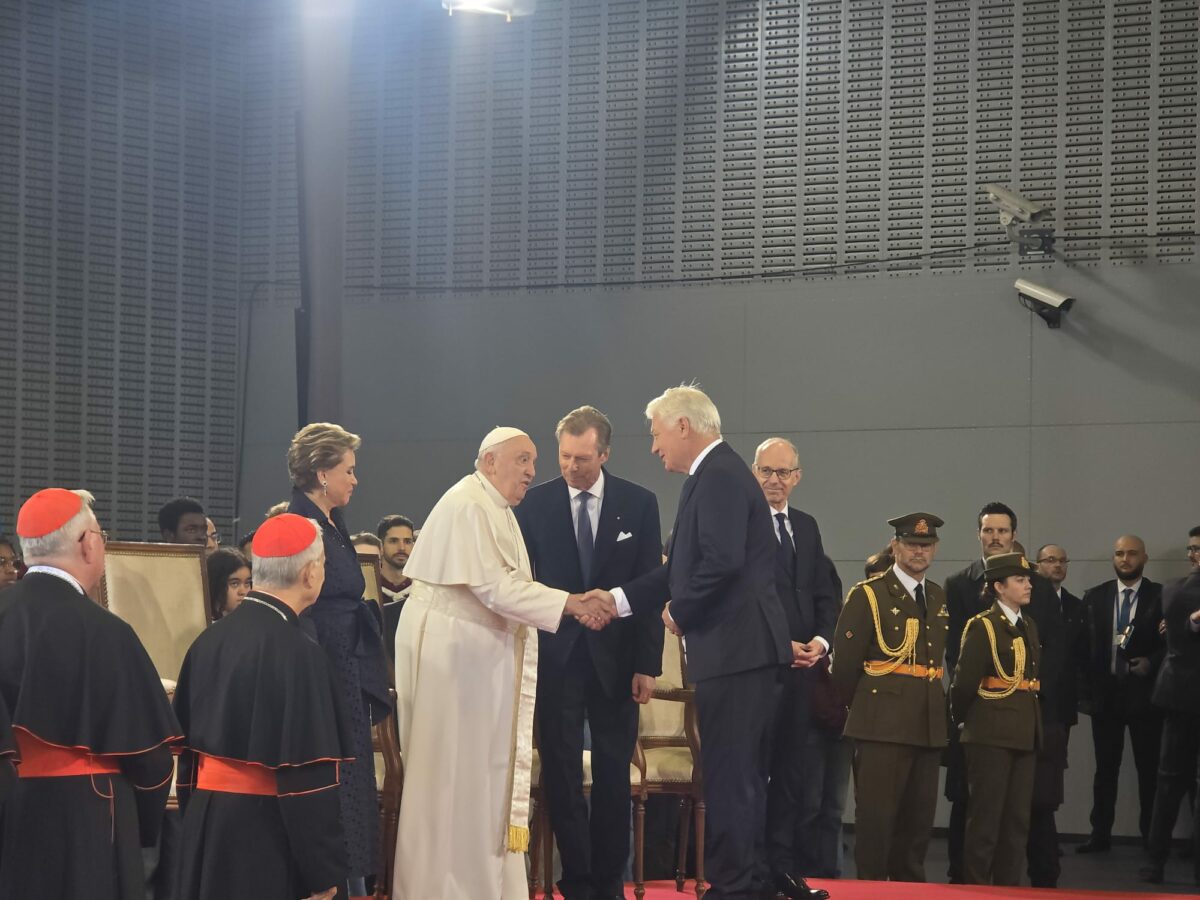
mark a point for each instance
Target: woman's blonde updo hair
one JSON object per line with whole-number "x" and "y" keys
{"x": 317, "y": 447}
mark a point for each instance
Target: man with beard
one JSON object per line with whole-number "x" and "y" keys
{"x": 887, "y": 645}
{"x": 997, "y": 535}
{"x": 1125, "y": 649}
{"x": 397, "y": 536}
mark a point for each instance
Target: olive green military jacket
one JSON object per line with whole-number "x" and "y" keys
{"x": 894, "y": 708}
{"x": 1013, "y": 722}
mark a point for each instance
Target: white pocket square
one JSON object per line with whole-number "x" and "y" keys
{"x": 624, "y": 536}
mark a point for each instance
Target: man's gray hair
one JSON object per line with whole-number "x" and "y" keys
{"x": 284, "y": 571}
{"x": 577, "y": 422}
{"x": 770, "y": 442}
{"x": 58, "y": 543}
{"x": 686, "y": 402}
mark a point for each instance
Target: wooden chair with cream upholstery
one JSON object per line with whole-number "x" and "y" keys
{"x": 369, "y": 563}
{"x": 667, "y": 757}
{"x": 161, "y": 590}
{"x": 385, "y": 741}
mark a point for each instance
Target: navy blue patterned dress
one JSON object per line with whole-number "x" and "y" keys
{"x": 349, "y": 631}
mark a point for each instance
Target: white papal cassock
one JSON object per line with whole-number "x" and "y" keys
{"x": 466, "y": 680}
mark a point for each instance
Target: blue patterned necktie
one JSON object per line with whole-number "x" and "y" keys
{"x": 583, "y": 534}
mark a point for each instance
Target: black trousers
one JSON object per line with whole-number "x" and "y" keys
{"x": 735, "y": 716}
{"x": 1041, "y": 851}
{"x": 1108, "y": 739}
{"x": 790, "y": 772}
{"x": 593, "y": 849}
{"x": 1178, "y": 767}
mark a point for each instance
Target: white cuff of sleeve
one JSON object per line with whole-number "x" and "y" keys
{"x": 624, "y": 610}
{"x": 824, "y": 643}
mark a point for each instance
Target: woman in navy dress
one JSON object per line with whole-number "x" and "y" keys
{"x": 321, "y": 464}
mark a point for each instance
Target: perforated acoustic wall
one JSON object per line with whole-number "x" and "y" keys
{"x": 618, "y": 140}
{"x": 120, "y": 144}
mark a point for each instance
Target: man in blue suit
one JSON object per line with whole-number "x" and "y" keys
{"x": 589, "y": 528}
{"x": 804, "y": 585}
{"x": 720, "y": 577}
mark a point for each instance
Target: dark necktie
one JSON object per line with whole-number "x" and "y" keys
{"x": 919, "y": 594}
{"x": 787, "y": 550}
{"x": 1123, "y": 612}
{"x": 583, "y": 534}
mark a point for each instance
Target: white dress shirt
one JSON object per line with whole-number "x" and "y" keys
{"x": 910, "y": 583}
{"x": 597, "y": 492}
{"x": 1133, "y": 604}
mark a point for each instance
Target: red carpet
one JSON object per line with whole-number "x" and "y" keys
{"x": 886, "y": 890}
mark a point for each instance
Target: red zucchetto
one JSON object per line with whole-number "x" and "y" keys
{"x": 46, "y": 511}
{"x": 283, "y": 535}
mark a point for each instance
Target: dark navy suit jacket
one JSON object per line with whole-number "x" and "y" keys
{"x": 628, "y": 645}
{"x": 720, "y": 573}
{"x": 810, "y": 601}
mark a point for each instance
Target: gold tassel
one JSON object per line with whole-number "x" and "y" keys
{"x": 518, "y": 839}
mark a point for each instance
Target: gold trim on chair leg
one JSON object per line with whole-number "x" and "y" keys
{"x": 701, "y": 886}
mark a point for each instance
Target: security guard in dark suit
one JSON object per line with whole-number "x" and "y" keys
{"x": 888, "y": 646}
{"x": 994, "y": 704}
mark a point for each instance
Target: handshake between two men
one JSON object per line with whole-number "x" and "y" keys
{"x": 594, "y": 609}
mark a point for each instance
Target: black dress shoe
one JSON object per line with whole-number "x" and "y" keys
{"x": 796, "y": 888}
{"x": 1094, "y": 845}
{"x": 1151, "y": 873}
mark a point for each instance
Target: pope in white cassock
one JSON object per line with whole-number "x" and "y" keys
{"x": 466, "y": 680}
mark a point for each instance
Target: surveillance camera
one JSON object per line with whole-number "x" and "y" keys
{"x": 1048, "y": 303}
{"x": 1015, "y": 208}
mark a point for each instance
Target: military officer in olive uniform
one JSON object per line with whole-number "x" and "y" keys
{"x": 888, "y": 646}
{"x": 994, "y": 704}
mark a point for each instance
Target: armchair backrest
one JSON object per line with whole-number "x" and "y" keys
{"x": 161, "y": 590}
{"x": 663, "y": 716}
{"x": 369, "y": 563}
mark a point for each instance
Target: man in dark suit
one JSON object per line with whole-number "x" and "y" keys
{"x": 1048, "y": 793}
{"x": 589, "y": 528}
{"x": 1125, "y": 649}
{"x": 1177, "y": 691}
{"x": 720, "y": 578}
{"x": 997, "y": 529}
{"x": 811, "y": 605}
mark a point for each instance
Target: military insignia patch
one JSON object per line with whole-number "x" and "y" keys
{"x": 942, "y": 612}
{"x": 895, "y": 611}
{"x": 849, "y": 635}
{"x": 922, "y": 527}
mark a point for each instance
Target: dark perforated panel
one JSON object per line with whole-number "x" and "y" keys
{"x": 621, "y": 141}
{"x": 120, "y": 185}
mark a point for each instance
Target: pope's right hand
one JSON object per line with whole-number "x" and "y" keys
{"x": 594, "y": 610}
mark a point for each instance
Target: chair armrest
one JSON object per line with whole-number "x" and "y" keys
{"x": 679, "y": 695}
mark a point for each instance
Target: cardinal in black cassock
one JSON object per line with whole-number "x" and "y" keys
{"x": 91, "y": 722}
{"x": 8, "y": 750}
{"x": 264, "y": 738}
